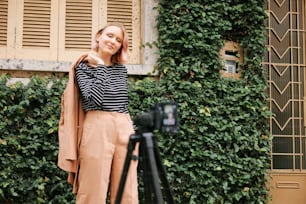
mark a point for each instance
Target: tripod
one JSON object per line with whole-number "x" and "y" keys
{"x": 153, "y": 168}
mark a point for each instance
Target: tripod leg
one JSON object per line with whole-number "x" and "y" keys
{"x": 129, "y": 157}
{"x": 147, "y": 176}
{"x": 162, "y": 174}
{"x": 152, "y": 163}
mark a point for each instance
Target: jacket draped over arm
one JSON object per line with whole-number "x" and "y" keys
{"x": 70, "y": 127}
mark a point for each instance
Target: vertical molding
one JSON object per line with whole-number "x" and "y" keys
{"x": 137, "y": 34}
{"x": 149, "y": 33}
{"x": 18, "y": 25}
{"x": 54, "y": 27}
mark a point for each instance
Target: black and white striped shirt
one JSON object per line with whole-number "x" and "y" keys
{"x": 103, "y": 87}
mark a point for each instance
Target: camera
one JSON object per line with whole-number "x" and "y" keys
{"x": 162, "y": 117}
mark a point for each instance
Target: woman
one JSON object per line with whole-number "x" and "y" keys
{"x": 102, "y": 81}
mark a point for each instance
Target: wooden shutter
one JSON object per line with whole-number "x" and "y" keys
{"x": 75, "y": 27}
{"x": 36, "y": 29}
{"x": 82, "y": 18}
{"x": 78, "y": 24}
{"x": 36, "y": 23}
{"x": 121, "y": 11}
{"x": 127, "y": 12}
{"x": 3, "y": 22}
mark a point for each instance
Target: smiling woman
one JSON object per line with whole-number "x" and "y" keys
{"x": 100, "y": 78}
{"x": 113, "y": 40}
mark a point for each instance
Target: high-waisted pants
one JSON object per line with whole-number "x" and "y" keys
{"x": 103, "y": 150}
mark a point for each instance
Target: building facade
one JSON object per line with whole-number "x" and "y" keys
{"x": 46, "y": 36}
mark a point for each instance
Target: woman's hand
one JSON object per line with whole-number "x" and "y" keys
{"x": 93, "y": 59}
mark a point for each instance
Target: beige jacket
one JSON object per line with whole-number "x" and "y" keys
{"x": 70, "y": 127}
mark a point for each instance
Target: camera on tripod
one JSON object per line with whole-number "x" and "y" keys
{"x": 162, "y": 117}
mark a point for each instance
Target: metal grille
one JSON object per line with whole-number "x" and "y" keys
{"x": 285, "y": 63}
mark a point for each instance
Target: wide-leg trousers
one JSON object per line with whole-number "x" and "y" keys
{"x": 103, "y": 151}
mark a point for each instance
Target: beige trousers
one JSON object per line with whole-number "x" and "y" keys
{"x": 102, "y": 155}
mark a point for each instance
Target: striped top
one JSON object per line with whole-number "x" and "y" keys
{"x": 103, "y": 87}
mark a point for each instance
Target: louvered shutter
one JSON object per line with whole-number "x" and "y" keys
{"x": 127, "y": 12}
{"x": 36, "y": 30}
{"x": 85, "y": 17}
{"x": 78, "y": 24}
{"x": 121, "y": 11}
{"x": 3, "y": 28}
{"x": 3, "y": 22}
{"x": 77, "y": 18}
{"x": 36, "y": 23}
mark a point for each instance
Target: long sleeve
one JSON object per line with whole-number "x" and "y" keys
{"x": 92, "y": 82}
{"x": 103, "y": 87}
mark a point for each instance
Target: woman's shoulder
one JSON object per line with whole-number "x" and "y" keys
{"x": 82, "y": 65}
{"x": 119, "y": 65}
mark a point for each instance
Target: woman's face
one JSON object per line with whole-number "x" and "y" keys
{"x": 110, "y": 41}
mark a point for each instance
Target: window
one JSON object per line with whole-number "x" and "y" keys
{"x": 61, "y": 30}
{"x": 232, "y": 56}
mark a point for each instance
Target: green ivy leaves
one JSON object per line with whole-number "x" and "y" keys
{"x": 28, "y": 142}
{"x": 223, "y": 121}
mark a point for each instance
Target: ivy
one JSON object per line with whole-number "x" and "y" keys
{"x": 28, "y": 142}
{"x": 222, "y": 152}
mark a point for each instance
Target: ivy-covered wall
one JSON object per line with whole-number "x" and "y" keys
{"x": 29, "y": 117}
{"x": 221, "y": 154}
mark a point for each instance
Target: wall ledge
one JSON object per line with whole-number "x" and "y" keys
{"x": 52, "y": 66}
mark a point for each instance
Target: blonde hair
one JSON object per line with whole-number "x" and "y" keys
{"x": 122, "y": 55}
